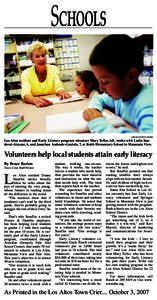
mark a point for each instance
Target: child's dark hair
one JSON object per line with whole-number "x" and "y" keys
{"x": 119, "y": 53}
{"x": 88, "y": 77}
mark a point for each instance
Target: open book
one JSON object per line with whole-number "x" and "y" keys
{"x": 74, "y": 97}
{"x": 73, "y": 122}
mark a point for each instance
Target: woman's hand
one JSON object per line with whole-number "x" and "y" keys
{"x": 41, "y": 101}
{"x": 63, "y": 95}
{"x": 37, "y": 101}
{"x": 91, "y": 113}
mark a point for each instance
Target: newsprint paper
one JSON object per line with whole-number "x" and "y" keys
{"x": 78, "y": 210}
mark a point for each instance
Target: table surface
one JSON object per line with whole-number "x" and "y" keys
{"x": 37, "y": 116}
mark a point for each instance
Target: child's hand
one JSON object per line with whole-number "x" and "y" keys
{"x": 91, "y": 113}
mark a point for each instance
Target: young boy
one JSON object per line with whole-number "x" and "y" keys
{"x": 117, "y": 62}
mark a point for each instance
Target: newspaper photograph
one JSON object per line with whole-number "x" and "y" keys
{"x": 78, "y": 149}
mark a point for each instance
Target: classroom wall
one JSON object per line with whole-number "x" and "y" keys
{"x": 85, "y": 44}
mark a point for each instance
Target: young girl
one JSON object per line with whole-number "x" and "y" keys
{"x": 86, "y": 84}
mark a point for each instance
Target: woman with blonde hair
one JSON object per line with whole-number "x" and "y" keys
{"x": 41, "y": 79}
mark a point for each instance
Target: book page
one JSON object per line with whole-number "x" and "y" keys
{"x": 78, "y": 198}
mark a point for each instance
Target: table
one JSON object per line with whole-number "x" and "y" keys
{"x": 37, "y": 116}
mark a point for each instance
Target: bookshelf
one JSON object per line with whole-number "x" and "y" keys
{"x": 145, "y": 42}
{"x": 11, "y": 66}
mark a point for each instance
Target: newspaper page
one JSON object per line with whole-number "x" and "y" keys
{"x": 78, "y": 207}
